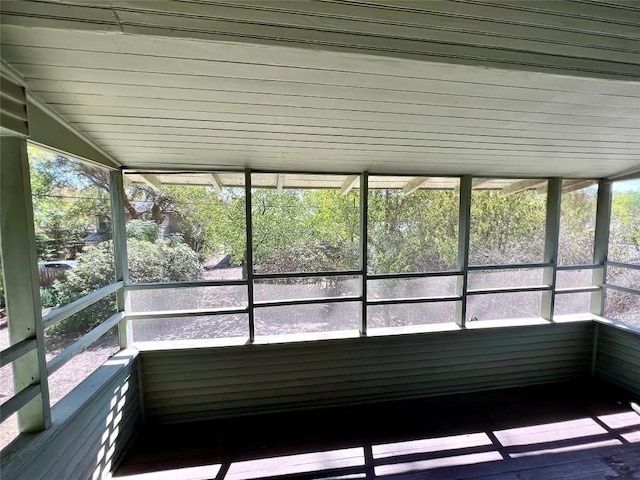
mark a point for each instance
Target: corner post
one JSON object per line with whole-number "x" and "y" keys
{"x": 22, "y": 281}
{"x": 464, "y": 227}
{"x": 119, "y": 234}
{"x": 249, "y": 249}
{"x": 364, "y": 240}
{"x": 601, "y": 245}
{"x": 552, "y": 235}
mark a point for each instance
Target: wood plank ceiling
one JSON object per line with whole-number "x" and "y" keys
{"x": 510, "y": 88}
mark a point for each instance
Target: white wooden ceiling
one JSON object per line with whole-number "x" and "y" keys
{"x": 519, "y": 88}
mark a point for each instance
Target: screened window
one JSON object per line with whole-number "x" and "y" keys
{"x": 577, "y": 222}
{"x": 308, "y": 224}
{"x": 72, "y": 220}
{"x": 624, "y": 236}
{"x": 622, "y": 300}
{"x": 412, "y": 224}
{"x": 507, "y": 227}
{"x": 185, "y": 226}
{"x": 305, "y": 224}
{"x": 412, "y": 228}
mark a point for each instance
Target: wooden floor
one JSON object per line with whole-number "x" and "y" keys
{"x": 563, "y": 431}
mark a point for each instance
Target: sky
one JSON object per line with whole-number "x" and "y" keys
{"x": 627, "y": 186}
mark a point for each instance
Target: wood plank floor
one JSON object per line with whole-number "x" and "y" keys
{"x": 563, "y": 431}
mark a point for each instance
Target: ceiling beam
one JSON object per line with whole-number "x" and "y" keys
{"x": 216, "y": 183}
{"x": 414, "y": 184}
{"x": 348, "y": 184}
{"x": 573, "y": 185}
{"x": 280, "y": 182}
{"x": 523, "y": 185}
{"x": 151, "y": 180}
{"x": 476, "y": 182}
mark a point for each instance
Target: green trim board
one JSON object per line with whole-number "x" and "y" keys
{"x": 51, "y": 131}
{"x": 22, "y": 290}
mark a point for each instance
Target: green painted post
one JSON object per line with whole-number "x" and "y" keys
{"x": 364, "y": 221}
{"x": 120, "y": 258}
{"x": 552, "y": 235}
{"x": 22, "y": 281}
{"x": 464, "y": 225}
{"x": 249, "y": 249}
{"x": 601, "y": 245}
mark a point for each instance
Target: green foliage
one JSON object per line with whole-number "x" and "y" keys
{"x": 412, "y": 233}
{"x": 145, "y": 230}
{"x": 306, "y": 257}
{"x": 46, "y": 247}
{"x": 577, "y": 227}
{"x": 212, "y": 223}
{"x": 624, "y": 238}
{"x": 507, "y": 228}
{"x": 311, "y": 230}
{"x": 48, "y": 297}
{"x": 67, "y": 196}
{"x": 162, "y": 261}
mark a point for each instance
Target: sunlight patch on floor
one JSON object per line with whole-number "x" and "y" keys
{"x": 549, "y": 432}
{"x": 431, "y": 445}
{"x": 205, "y": 472}
{"x": 620, "y": 420}
{"x": 420, "y": 465}
{"x": 296, "y": 464}
{"x": 572, "y": 448}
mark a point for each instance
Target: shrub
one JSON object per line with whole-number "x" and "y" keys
{"x": 146, "y": 230}
{"x": 161, "y": 261}
{"x": 48, "y": 297}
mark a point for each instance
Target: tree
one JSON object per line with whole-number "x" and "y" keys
{"x": 211, "y": 223}
{"x": 412, "y": 233}
{"x": 68, "y": 195}
{"x": 305, "y": 230}
{"x": 507, "y": 228}
{"x": 577, "y": 227}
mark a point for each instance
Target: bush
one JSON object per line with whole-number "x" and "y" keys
{"x": 48, "y": 297}
{"x": 145, "y": 230}
{"x": 162, "y": 261}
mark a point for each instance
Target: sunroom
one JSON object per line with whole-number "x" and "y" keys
{"x": 320, "y": 239}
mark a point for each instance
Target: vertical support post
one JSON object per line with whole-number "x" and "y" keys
{"x": 464, "y": 226}
{"x": 249, "y": 259}
{"x": 119, "y": 234}
{"x": 22, "y": 281}
{"x": 552, "y": 235}
{"x": 364, "y": 214}
{"x": 601, "y": 245}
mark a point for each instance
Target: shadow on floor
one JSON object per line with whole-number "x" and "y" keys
{"x": 561, "y": 431}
